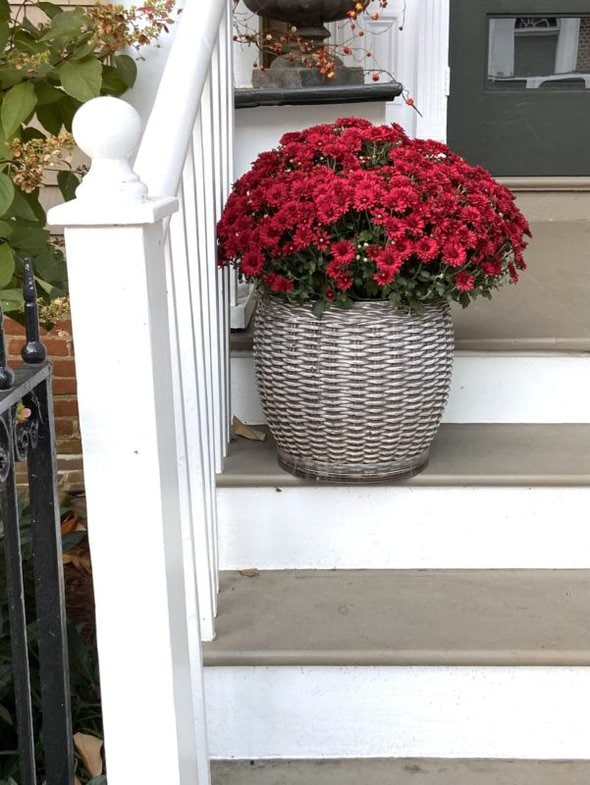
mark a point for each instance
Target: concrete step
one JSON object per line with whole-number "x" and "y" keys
{"x": 492, "y": 496}
{"x": 403, "y": 617}
{"x": 403, "y": 771}
{"x": 364, "y": 664}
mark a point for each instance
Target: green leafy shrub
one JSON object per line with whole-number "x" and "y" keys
{"x": 47, "y": 70}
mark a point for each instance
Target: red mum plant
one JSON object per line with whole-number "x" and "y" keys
{"x": 352, "y": 211}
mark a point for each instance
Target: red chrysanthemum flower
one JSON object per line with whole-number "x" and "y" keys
{"x": 427, "y": 249}
{"x": 340, "y": 207}
{"x": 387, "y": 259}
{"x": 384, "y": 275}
{"x": 454, "y": 254}
{"x": 277, "y": 283}
{"x": 343, "y": 251}
{"x": 252, "y": 263}
{"x": 464, "y": 282}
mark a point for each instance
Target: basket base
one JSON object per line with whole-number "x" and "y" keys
{"x": 352, "y": 472}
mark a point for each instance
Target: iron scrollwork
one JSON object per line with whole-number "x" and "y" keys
{"x": 19, "y": 433}
{"x": 5, "y": 450}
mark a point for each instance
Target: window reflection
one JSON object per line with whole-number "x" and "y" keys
{"x": 539, "y": 52}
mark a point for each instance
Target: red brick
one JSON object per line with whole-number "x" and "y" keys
{"x": 71, "y": 480}
{"x": 65, "y": 426}
{"x": 69, "y": 462}
{"x": 64, "y": 407}
{"x": 57, "y": 347}
{"x": 14, "y": 345}
{"x": 64, "y": 386}
{"x": 69, "y": 447}
{"x": 64, "y": 369}
{"x": 22, "y": 478}
{"x": 60, "y": 330}
{"x": 13, "y": 328}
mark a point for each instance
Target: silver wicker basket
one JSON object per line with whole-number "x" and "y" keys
{"x": 356, "y": 396}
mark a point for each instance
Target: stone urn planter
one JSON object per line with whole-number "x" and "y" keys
{"x": 309, "y": 18}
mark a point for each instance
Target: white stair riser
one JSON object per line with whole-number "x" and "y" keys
{"x": 380, "y": 527}
{"x": 488, "y": 388}
{"x": 362, "y": 712}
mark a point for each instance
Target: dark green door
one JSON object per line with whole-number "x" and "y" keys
{"x": 519, "y": 100}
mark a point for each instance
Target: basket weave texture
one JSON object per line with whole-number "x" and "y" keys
{"x": 357, "y": 395}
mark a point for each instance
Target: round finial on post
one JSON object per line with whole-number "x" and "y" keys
{"x": 109, "y": 130}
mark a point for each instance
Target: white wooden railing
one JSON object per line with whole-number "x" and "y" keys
{"x": 150, "y": 315}
{"x": 193, "y": 113}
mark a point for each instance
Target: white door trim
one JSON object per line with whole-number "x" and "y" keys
{"x": 432, "y": 69}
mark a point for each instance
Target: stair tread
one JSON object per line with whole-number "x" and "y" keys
{"x": 417, "y": 771}
{"x": 462, "y": 454}
{"x": 399, "y": 771}
{"x": 403, "y": 617}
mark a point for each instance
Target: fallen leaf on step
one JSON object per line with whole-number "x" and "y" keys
{"x": 79, "y": 562}
{"x": 241, "y": 429}
{"x": 71, "y": 524}
{"x": 252, "y": 572}
{"x": 89, "y": 748}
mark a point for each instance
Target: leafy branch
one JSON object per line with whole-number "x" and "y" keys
{"x": 48, "y": 69}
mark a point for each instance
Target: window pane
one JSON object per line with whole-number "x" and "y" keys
{"x": 539, "y": 52}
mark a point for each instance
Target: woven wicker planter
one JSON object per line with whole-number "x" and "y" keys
{"x": 356, "y": 396}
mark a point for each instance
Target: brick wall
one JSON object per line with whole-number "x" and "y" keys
{"x": 60, "y": 350}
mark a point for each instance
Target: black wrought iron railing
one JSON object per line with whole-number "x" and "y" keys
{"x": 27, "y": 434}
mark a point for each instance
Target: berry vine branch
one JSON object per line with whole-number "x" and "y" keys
{"x": 276, "y": 41}
{"x": 48, "y": 69}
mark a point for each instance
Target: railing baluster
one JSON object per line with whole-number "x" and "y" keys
{"x": 47, "y": 560}
{"x": 228, "y": 176}
{"x": 49, "y": 594}
{"x": 33, "y": 351}
{"x": 210, "y": 188}
{"x": 16, "y": 603}
{"x": 215, "y": 90}
{"x": 203, "y": 317}
{"x": 227, "y": 105}
{"x": 200, "y": 598}
{"x": 194, "y": 423}
{"x": 6, "y": 373}
{"x": 206, "y": 316}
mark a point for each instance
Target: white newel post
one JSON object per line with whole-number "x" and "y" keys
{"x": 149, "y": 652}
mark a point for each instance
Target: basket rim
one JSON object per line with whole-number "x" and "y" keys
{"x": 441, "y": 306}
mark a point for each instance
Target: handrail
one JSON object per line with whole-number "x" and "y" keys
{"x": 162, "y": 151}
{"x": 186, "y": 151}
